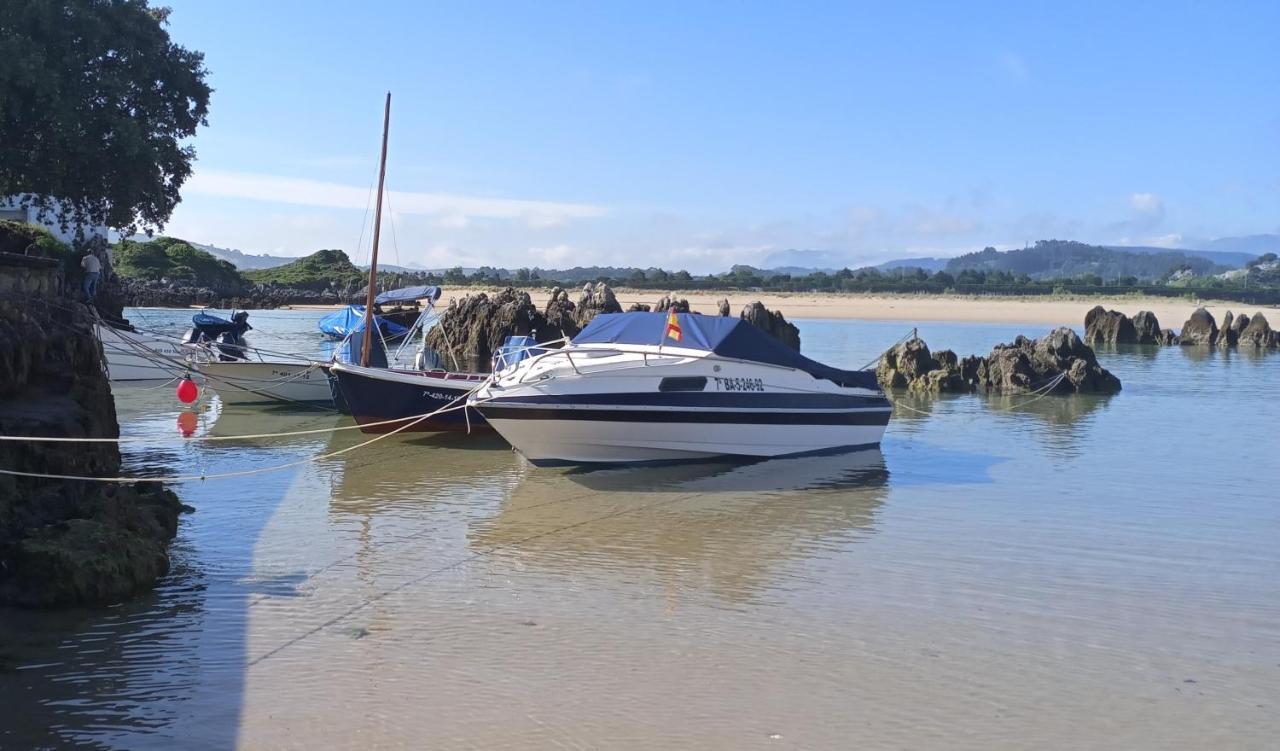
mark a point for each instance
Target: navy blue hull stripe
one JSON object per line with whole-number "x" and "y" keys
{"x": 748, "y": 458}
{"x": 756, "y": 400}
{"x": 869, "y": 417}
{"x": 376, "y": 400}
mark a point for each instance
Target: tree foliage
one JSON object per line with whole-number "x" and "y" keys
{"x": 175, "y": 260}
{"x": 320, "y": 270}
{"x": 95, "y": 105}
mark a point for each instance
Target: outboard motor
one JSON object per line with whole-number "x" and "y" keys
{"x": 230, "y": 346}
{"x": 227, "y": 337}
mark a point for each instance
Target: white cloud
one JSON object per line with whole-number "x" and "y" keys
{"x": 556, "y": 255}
{"x": 297, "y": 191}
{"x": 1149, "y": 204}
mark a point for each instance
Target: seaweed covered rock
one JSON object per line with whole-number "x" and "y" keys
{"x": 1238, "y": 325}
{"x": 472, "y": 329}
{"x": 910, "y": 365}
{"x": 1103, "y": 326}
{"x": 66, "y": 542}
{"x": 1228, "y": 334}
{"x": 1200, "y": 330}
{"x": 1059, "y": 361}
{"x": 671, "y": 303}
{"x": 1147, "y": 328}
{"x": 595, "y": 299}
{"x": 773, "y": 323}
{"x": 1258, "y": 333}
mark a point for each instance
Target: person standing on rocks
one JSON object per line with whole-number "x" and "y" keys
{"x": 92, "y": 271}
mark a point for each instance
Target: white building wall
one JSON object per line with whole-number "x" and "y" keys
{"x": 11, "y": 208}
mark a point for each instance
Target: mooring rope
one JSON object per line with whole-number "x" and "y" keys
{"x": 1037, "y": 395}
{"x": 449, "y": 407}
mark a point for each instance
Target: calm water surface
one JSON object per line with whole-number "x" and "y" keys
{"x": 1075, "y": 572}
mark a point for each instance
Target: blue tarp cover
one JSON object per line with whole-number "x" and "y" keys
{"x": 408, "y": 294}
{"x": 351, "y": 318}
{"x": 723, "y": 335}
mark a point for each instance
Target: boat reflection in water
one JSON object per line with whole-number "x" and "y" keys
{"x": 720, "y": 525}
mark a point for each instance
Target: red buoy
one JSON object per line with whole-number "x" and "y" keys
{"x": 187, "y": 424}
{"x": 187, "y": 391}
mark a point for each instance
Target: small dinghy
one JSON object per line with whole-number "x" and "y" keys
{"x": 222, "y": 338}
{"x": 643, "y": 387}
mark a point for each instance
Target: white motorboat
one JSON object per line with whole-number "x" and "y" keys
{"x": 271, "y": 382}
{"x": 137, "y": 356}
{"x": 637, "y": 387}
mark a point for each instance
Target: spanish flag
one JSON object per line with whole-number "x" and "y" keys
{"x": 673, "y": 326}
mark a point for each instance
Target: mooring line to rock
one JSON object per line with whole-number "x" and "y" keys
{"x": 450, "y": 407}
{"x": 912, "y": 334}
{"x": 1036, "y": 395}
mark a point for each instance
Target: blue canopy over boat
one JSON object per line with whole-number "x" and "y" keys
{"x": 407, "y": 294}
{"x": 723, "y": 335}
{"x": 342, "y": 323}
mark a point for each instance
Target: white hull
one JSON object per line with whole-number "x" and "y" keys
{"x": 133, "y": 356}
{"x": 268, "y": 382}
{"x": 550, "y": 442}
{"x": 616, "y": 405}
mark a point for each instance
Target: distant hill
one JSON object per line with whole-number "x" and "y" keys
{"x": 807, "y": 260}
{"x": 175, "y": 260}
{"x": 1061, "y": 259}
{"x": 1229, "y": 259}
{"x": 318, "y": 271}
{"x": 1250, "y": 245}
{"x": 237, "y": 258}
{"x": 928, "y": 264}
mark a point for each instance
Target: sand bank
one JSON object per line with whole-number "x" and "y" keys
{"x": 1172, "y": 311}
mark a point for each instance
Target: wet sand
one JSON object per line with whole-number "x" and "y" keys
{"x": 1172, "y": 312}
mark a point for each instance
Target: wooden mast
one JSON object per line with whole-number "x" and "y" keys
{"x": 369, "y": 329}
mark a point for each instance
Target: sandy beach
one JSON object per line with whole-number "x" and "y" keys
{"x": 1171, "y": 311}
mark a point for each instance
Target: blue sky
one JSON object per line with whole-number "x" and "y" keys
{"x": 698, "y": 136}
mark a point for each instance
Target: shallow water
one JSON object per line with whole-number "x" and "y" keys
{"x": 1073, "y": 572}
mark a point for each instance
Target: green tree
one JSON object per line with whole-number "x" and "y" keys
{"x": 95, "y": 105}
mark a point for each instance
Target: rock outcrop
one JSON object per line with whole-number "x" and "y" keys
{"x": 66, "y": 542}
{"x": 1258, "y": 333}
{"x": 773, "y": 323}
{"x": 1238, "y": 325}
{"x": 1228, "y": 334}
{"x": 471, "y": 329}
{"x": 1022, "y": 367}
{"x": 1103, "y": 326}
{"x": 666, "y": 303}
{"x": 1200, "y": 330}
{"x": 595, "y": 299}
{"x": 1147, "y": 328}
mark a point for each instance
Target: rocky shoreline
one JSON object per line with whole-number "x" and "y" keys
{"x": 148, "y": 294}
{"x": 66, "y": 542}
{"x": 1200, "y": 330}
